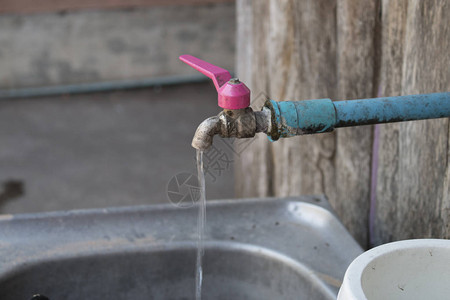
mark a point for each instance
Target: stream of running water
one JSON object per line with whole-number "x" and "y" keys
{"x": 200, "y": 226}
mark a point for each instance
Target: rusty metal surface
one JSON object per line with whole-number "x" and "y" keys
{"x": 230, "y": 123}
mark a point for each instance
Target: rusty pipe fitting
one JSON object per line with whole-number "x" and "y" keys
{"x": 237, "y": 123}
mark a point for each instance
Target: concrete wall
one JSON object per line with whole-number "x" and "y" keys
{"x": 89, "y": 46}
{"x": 106, "y": 149}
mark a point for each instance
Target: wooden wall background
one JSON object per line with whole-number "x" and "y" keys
{"x": 386, "y": 182}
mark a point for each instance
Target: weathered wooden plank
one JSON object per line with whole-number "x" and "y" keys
{"x": 412, "y": 195}
{"x": 281, "y": 67}
{"x": 356, "y": 51}
{"x": 314, "y": 49}
{"x": 293, "y": 59}
{"x": 244, "y": 38}
{"x": 298, "y": 61}
{"x": 393, "y": 36}
{"x": 253, "y": 167}
{"x": 303, "y": 66}
{"x": 446, "y": 197}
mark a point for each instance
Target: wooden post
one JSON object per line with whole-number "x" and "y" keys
{"x": 348, "y": 49}
{"x": 413, "y": 175}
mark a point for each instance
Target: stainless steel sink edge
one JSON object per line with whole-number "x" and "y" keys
{"x": 255, "y": 225}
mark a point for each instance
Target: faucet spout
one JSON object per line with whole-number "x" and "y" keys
{"x": 205, "y": 132}
{"x": 231, "y": 123}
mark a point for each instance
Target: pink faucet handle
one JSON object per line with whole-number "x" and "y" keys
{"x": 218, "y": 75}
{"x": 232, "y": 94}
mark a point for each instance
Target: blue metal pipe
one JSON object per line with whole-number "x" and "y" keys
{"x": 290, "y": 118}
{"x": 392, "y": 109}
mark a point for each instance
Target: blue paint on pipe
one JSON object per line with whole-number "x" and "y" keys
{"x": 293, "y": 118}
{"x": 392, "y": 109}
{"x": 302, "y": 117}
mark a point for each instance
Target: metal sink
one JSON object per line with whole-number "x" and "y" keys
{"x": 290, "y": 248}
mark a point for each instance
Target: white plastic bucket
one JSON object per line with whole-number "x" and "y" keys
{"x": 405, "y": 270}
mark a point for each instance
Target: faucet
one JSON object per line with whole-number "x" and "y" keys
{"x": 292, "y": 118}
